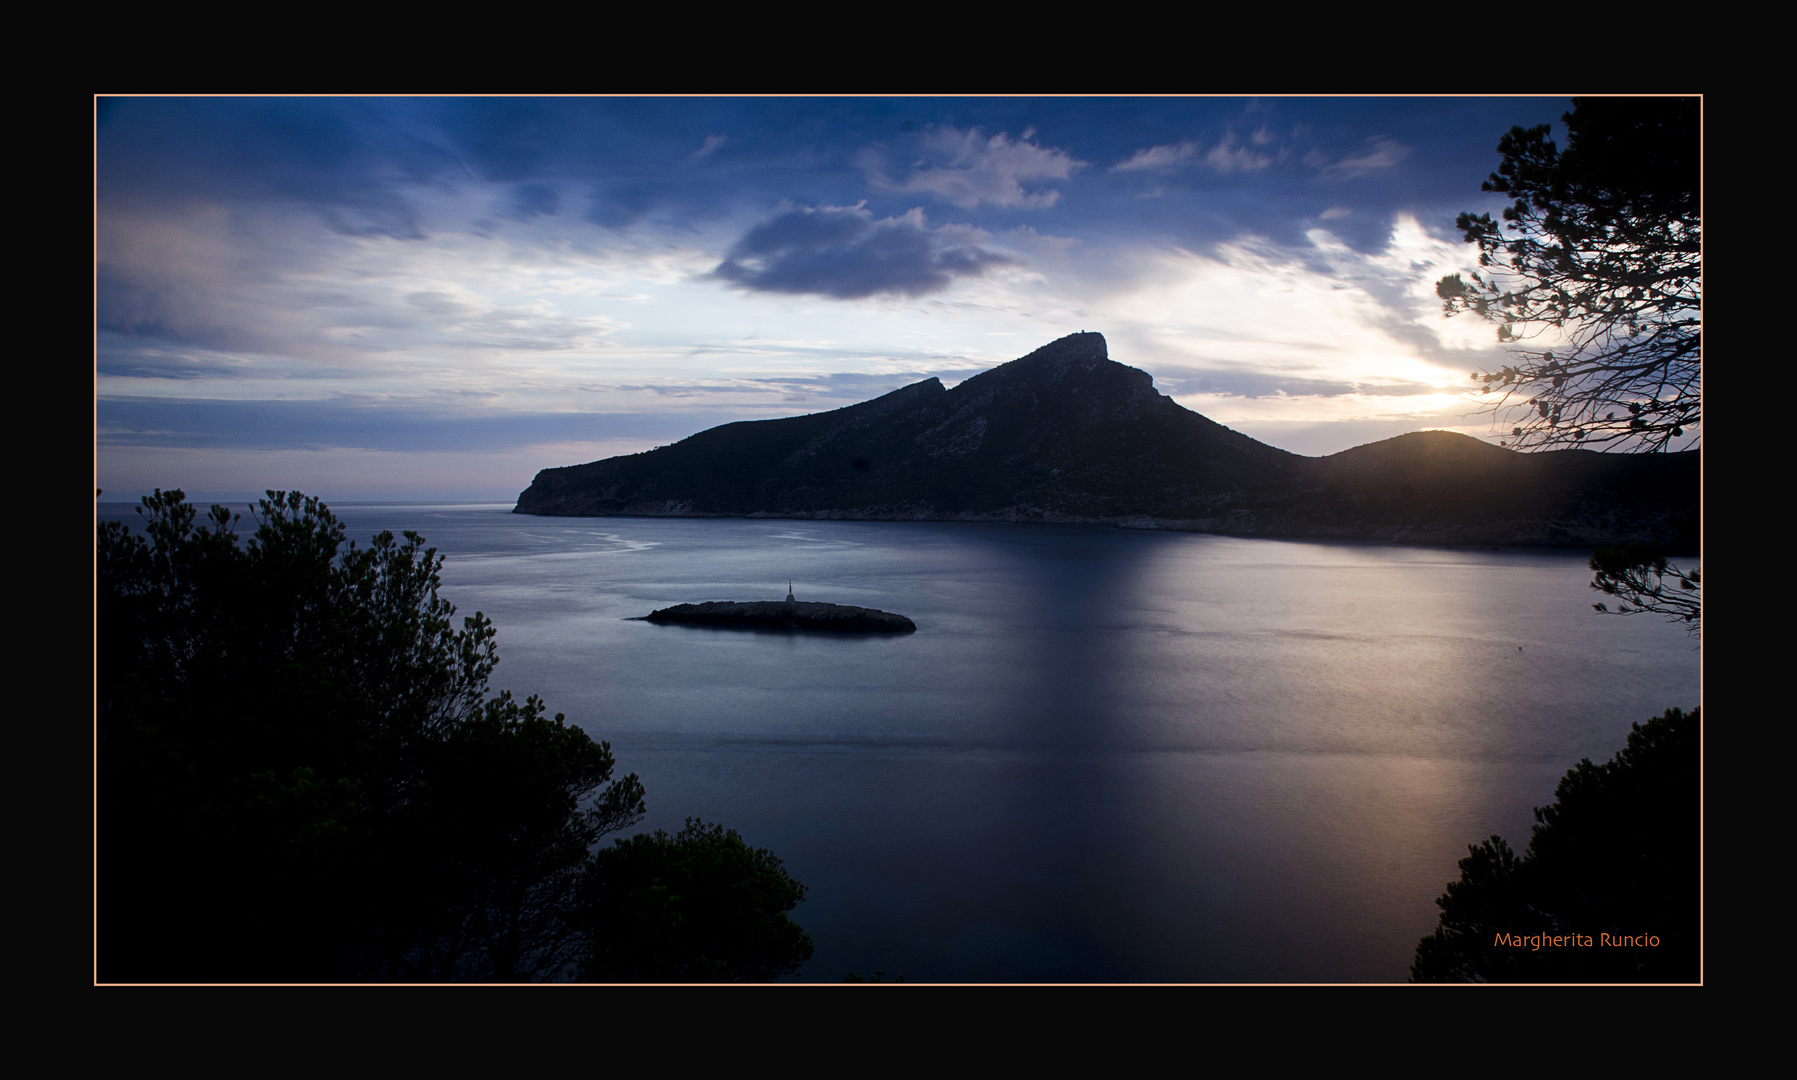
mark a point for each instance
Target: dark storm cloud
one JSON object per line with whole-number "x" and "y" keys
{"x": 843, "y": 252}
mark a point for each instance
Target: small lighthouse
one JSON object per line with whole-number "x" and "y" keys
{"x": 789, "y": 598}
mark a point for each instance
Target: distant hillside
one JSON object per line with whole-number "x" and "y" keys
{"x": 1066, "y": 434}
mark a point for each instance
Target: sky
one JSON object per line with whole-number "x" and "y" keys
{"x": 433, "y": 298}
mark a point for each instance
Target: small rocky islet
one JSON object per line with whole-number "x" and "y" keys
{"x": 788, "y": 614}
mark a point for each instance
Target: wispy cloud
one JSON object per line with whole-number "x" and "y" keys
{"x": 1158, "y": 158}
{"x": 1381, "y": 153}
{"x": 1224, "y": 157}
{"x": 969, "y": 168}
{"x": 372, "y": 422}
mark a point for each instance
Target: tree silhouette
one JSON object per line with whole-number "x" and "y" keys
{"x": 302, "y": 775}
{"x": 1608, "y": 890}
{"x": 699, "y": 906}
{"x": 1603, "y": 245}
{"x": 1643, "y": 581}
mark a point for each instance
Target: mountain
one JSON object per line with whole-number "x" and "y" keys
{"x": 1066, "y": 434}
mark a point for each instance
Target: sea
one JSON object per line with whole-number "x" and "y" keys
{"x": 1105, "y": 756}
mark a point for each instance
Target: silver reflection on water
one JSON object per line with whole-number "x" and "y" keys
{"x": 1105, "y": 754}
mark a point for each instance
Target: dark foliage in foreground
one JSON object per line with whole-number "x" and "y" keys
{"x": 302, "y": 776}
{"x": 1616, "y": 854}
{"x": 1644, "y": 581}
{"x": 1603, "y": 244}
{"x": 701, "y": 906}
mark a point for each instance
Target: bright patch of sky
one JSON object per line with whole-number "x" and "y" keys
{"x": 383, "y": 298}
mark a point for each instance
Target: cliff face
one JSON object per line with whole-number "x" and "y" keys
{"x": 1067, "y": 434}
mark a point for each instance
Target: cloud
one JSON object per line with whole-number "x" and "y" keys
{"x": 1225, "y": 157}
{"x": 1042, "y": 244}
{"x": 1249, "y": 383}
{"x": 820, "y": 391}
{"x": 1158, "y": 158}
{"x": 712, "y": 142}
{"x": 120, "y": 357}
{"x": 1322, "y": 438}
{"x": 371, "y": 422}
{"x": 843, "y": 252}
{"x": 350, "y": 161}
{"x": 968, "y": 168}
{"x": 200, "y": 277}
{"x": 1381, "y": 153}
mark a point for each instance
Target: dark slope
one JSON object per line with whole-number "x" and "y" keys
{"x": 1064, "y": 434}
{"x": 1439, "y": 487}
{"x": 1067, "y": 434}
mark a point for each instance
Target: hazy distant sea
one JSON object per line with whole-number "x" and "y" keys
{"x": 1105, "y": 755}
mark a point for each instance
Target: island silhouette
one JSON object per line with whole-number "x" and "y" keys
{"x": 791, "y": 614}
{"x": 1066, "y": 434}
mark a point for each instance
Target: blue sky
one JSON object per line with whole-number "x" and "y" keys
{"x": 433, "y": 298}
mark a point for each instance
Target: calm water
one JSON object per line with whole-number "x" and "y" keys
{"x": 1105, "y": 755}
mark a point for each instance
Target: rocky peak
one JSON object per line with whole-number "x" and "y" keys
{"x": 1075, "y": 365}
{"x": 1086, "y": 347}
{"x": 1079, "y": 352}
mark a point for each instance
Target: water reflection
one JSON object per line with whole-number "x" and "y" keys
{"x": 1105, "y": 755}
